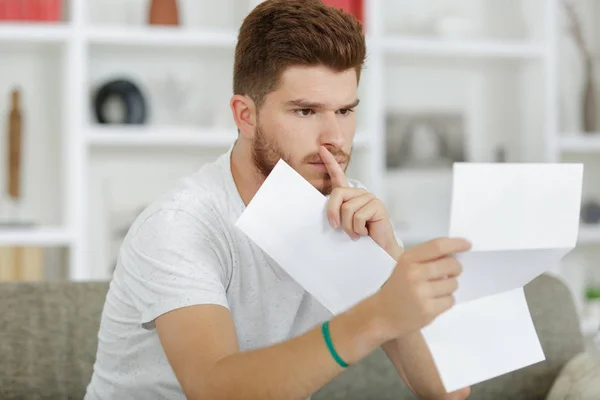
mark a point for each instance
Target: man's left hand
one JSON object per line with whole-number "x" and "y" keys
{"x": 356, "y": 210}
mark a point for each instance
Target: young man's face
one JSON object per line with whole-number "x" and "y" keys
{"x": 312, "y": 107}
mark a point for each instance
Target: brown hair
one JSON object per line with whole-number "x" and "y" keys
{"x": 281, "y": 33}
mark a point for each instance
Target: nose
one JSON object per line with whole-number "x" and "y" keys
{"x": 331, "y": 133}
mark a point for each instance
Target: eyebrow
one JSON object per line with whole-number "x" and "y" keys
{"x": 300, "y": 103}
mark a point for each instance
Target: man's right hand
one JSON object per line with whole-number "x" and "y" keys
{"x": 421, "y": 286}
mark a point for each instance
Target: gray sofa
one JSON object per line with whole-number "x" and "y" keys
{"x": 48, "y": 339}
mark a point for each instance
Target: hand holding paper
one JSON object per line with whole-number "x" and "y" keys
{"x": 521, "y": 219}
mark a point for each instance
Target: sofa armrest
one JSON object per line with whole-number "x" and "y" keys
{"x": 579, "y": 379}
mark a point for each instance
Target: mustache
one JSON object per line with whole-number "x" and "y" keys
{"x": 337, "y": 153}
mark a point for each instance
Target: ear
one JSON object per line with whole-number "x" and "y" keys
{"x": 244, "y": 114}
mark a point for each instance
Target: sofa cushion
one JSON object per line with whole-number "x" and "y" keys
{"x": 48, "y": 338}
{"x": 579, "y": 379}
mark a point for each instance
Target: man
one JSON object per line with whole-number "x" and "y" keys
{"x": 196, "y": 310}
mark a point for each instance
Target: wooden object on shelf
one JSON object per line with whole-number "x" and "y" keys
{"x": 21, "y": 263}
{"x": 30, "y": 264}
{"x": 8, "y": 267}
{"x": 15, "y": 126}
{"x": 164, "y": 12}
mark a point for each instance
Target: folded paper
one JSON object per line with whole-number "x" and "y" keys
{"x": 520, "y": 218}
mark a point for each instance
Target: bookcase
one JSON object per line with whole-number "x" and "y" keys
{"x": 494, "y": 71}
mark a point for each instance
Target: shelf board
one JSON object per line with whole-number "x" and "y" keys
{"x": 159, "y": 137}
{"x": 36, "y": 236}
{"x": 580, "y": 142}
{"x": 34, "y": 33}
{"x": 462, "y": 48}
{"x": 169, "y": 137}
{"x": 160, "y": 37}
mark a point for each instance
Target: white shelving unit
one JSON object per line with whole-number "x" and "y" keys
{"x": 80, "y": 39}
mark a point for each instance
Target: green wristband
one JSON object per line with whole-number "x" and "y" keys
{"x": 334, "y": 354}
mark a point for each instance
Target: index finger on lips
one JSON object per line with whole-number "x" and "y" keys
{"x": 335, "y": 171}
{"x": 436, "y": 248}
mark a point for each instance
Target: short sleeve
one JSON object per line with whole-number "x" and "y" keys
{"x": 172, "y": 261}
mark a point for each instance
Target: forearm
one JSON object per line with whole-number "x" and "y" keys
{"x": 296, "y": 368}
{"x": 412, "y": 358}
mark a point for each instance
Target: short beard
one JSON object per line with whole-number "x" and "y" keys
{"x": 265, "y": 156}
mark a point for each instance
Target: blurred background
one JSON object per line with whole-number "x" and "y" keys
{"x": 105, "y": 103}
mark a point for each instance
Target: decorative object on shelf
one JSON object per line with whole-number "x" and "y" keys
{"x": 120, "y": 101}
{"x": 354, "y": 7}
{"x": 30, "y": 10}
{"x": 12, "y": 209}
{"x": 175, "y": 97}
{"x": 164, "y": 12}
{"x": 590, "y": 212}
{"x": 8, "y": 272}
{"x": 15, "y": 141}
{"x": 424, "y": 140}
{"x": 588, "y": 95}
{"x": 21, "y": 264}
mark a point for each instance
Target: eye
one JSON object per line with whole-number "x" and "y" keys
{"x": 345, "y": 111}
{"x": 304, "y": 112}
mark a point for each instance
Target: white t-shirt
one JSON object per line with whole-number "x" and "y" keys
{"x": 184, "y": 249}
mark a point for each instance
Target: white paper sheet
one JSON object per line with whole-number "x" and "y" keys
{"x": 516, "y": 206}
{"x": 286, "y": 218}
{"x": 482, "y": 339}
{"x": 521, "y": 219}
